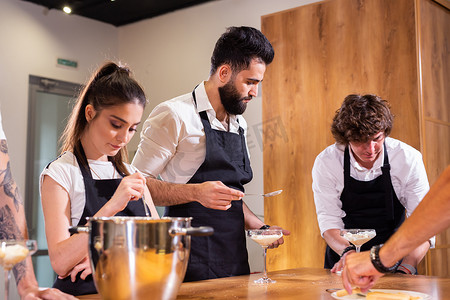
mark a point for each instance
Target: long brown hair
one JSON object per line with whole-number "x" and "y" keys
{"x": 110, "y": 85}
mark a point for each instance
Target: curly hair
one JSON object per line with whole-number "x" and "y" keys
{"x": 361, "y": 117}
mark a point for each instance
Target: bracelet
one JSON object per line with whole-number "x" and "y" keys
{"x": 348, "y": 248}
{"x": 375, "y": 259}
{"x": 264, "y": 227}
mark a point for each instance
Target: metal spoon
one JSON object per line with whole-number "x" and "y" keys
{"x": 147, "y": 213}
{"x": 267, "y": 195}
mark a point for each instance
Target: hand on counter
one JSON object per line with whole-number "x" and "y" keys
{"x": 359, "y": 271}
{"x": 340, "y": 264}
{"x": 36, "y": 293}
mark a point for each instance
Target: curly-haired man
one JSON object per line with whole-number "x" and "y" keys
{"x": 366, "y": 180}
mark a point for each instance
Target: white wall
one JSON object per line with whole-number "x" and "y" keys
{"x": 169, "y": 55}
{"x": 31, "y": 40}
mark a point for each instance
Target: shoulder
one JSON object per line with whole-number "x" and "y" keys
{"x": 330, "y": 160}
{"x": 64, "y": 170}
{"x": 176, "y": 105}
{"x": 331, "y": 153}
{"x": 65, "y": 160}
{"x": 65, "y": 165}
{"x": 174, "y": 111}
{"x": 401, "y": 151}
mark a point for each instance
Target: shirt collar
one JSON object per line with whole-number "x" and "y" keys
{"x": 203, "y": 104}
{"x": 202, "y": 99}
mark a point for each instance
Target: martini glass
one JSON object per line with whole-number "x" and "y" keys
{"x": 358, "y": 237}
{"x": 13, "y": 252}
{"x": 265, "y": 237}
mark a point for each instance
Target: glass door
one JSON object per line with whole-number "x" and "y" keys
{"x": 50, "y": 103}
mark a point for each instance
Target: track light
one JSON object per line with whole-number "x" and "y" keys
{"x": 67, "y": 9}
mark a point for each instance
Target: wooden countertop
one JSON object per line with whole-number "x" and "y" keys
{"x": 304, "y": 283}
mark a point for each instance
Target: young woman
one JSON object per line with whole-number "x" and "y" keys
{"x": 91, "y": 177}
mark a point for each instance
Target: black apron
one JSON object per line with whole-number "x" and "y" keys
{"x": 98, "y": 192}
{"x": 369, "y": 205}
{"x": 224, "y": 253}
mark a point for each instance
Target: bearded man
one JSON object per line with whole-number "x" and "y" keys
{"x": 196, "y": 144}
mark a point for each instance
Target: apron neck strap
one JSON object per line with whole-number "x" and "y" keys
{"x": 84, "y": 164}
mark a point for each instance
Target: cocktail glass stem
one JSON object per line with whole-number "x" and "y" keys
{"x": 7, "y": 276}
{"x": 358, "y": 248}
{"x": 265, "y": 278}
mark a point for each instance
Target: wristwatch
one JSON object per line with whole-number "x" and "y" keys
{"x": 375, "y": 259}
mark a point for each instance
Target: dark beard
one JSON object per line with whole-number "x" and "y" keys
{"x": 231, "y": 100}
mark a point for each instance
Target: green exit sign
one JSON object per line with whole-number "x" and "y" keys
{"x": 67, "y": 63}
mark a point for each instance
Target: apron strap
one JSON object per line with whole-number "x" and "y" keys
{"x": 385, "y": 169}
{"x": 84, "y": 165}
{"x": 82, "y": 161}
{"x": 346, "y": 167}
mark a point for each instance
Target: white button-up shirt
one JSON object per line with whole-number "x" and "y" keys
{"x": 2, "y": 133}
{"x": 172, "y": 142}
{"x": 408, "y": 177}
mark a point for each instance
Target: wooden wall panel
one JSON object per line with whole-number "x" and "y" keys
{"x": 435, "y": 51}
{"x": 434, "y": 42}
{"x": 324, "y": 52}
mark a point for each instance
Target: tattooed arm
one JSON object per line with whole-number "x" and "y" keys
{"x": 13, "y": 226}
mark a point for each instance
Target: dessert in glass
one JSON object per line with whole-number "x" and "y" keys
{"x": 358, "y": 237}
{"x": 13, "y": 252}
{"x": 265, "y": 237}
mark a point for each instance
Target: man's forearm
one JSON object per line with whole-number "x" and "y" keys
{"x": 166, "y": 193}
{"x": 430, "y": 217}
{"x": 335, "y": 241}
{"x": 28, "y": 279}
{"x": 251, "y": 220}
{"x": 414, "y": 257}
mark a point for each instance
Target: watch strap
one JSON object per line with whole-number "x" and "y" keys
{"x": 375, "y": 259}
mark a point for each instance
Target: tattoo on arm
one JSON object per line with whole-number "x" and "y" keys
{"x": 10, "y": 230}
{"x": 10, "y": 187}
{"x": 8, "y": 183}
{"x": 19, "y": 271}
{"x": 4, "y": 146}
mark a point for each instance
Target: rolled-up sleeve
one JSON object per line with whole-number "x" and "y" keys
{"x": 158, "y": 143}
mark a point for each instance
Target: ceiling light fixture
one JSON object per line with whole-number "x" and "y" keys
{"x": 67, "y": 9}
